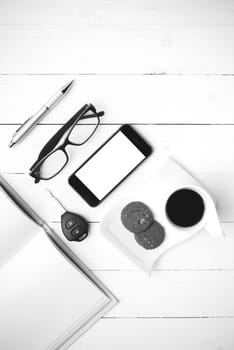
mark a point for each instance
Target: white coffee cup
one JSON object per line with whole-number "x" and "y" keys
{"x": 209, "y": 218}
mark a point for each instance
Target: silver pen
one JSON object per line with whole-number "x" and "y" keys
{"x": 30, "y": 123}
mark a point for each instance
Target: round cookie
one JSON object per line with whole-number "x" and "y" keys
{"x": 152, "y": 237}
{"x": 136, "y": 217}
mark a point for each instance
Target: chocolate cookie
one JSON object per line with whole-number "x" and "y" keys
{"x": 152, "y": 237}
{"x": 136, "y": 217}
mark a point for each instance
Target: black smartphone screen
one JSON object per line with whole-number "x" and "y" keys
{"x": 110, "y": 165}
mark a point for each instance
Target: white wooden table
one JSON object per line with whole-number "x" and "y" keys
{"x": 168, "y": 67}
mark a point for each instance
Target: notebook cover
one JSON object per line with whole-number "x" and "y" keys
{"x": 48, "y": 297}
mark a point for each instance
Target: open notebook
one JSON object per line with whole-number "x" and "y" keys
{"x": 48, "y": 298}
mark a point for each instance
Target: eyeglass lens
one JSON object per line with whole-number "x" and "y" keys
{"x": 53, "y": 164}
{"x": 80, "y": 133}
{"x": 83, "y": 130}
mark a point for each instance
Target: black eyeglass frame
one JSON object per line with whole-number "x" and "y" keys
{"x": 60, "y": 141}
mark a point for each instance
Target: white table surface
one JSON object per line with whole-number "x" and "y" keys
{"x": 168, "y": 67}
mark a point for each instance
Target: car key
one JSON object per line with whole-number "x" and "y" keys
{"x": 74, "y": 226}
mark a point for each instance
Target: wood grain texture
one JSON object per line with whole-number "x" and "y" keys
{"x": 169, "y": 66}
{"x": 96, "y": 12}
{"x": 160, "y": 99}
{"x": 137, "y": 49}
{"x": 160, "y": 334}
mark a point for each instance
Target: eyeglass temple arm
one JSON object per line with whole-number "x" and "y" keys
{"x": 93, "y": 115}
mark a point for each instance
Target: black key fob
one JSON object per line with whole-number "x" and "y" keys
{"x": 74, "y": 227}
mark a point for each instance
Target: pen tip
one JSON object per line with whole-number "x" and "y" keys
{"x": 67, "y": 86}
{"x": 11, "y": 144}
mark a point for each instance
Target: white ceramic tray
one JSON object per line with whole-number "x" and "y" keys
{"x": 154, "y": 193}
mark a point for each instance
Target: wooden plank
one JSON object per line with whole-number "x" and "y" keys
{"x": 115, "y": 12}
{"x": 137, "y": 49}
{"x": 171, "y": 293}
{"x": 151, "y": 334}
{"x": 197, "y": 148}
{"x": 160, "y": 99}
{"x": 202, "y": 252}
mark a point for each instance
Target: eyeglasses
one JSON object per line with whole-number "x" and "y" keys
{"x": 53, "y": 157}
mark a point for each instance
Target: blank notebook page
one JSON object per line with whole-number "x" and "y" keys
{"x": 43, "y": 297}
{"x": 15, "y": 228}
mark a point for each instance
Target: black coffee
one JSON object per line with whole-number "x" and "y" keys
{"x": 185, "y": 208}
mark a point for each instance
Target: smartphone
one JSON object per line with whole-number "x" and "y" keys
{"x": 109, "y": 165}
